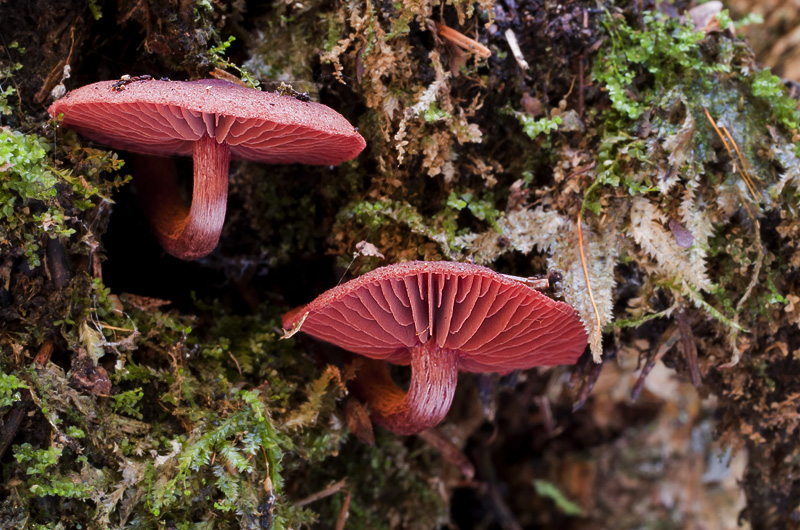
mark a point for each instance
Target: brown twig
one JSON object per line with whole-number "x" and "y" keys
{"x": 449, "y": 451}
{"x": 327, "y": 492}
{"x": 344, "y": 513}
{"x": 581, "y": 170}
{"x": 236, "y": 362}
{"x": 672, "y": 335}
{"x": 462, "y": 41}
{"x": 57, "y": 72}
{"x": 218, "y": 73}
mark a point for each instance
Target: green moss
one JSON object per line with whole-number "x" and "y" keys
{"x": 531, "y": 126}
{"x": 43, "y": 473}
{"x": 39, "y": 200}
{"x": 9, "y": 389}
{"x": 211, "y": 416}
{"x": 216, "y": 57}
{"x": 667, "y": 50}
{"x": 771, "y": 89}
{"x": 443, "y": 227}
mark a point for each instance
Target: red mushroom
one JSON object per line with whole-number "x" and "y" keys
{"x": 440, "y": 317}
{"x": 211, "y": 120}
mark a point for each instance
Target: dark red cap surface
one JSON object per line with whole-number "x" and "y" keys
{"x": 492, "y": 322}
{"x": 167, "y": 117}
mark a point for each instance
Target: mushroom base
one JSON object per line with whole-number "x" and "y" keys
{"x": 434, "y": 373}
{"x": 186, "y": 232}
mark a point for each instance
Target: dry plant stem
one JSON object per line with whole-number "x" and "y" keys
{"x": 185, "y": 232}
{"x": 344, "y": 512}
{"x": 462, "y": 41}
{"x": 669, "y": 339}
{"x": 598, "y": 323}
{"x": 743, "y": 160}
{"x": 434, "y": 372}
{"x": 327, "y": 492}
{"x": 744, "y": 175}
{"x": 449, "y": 451}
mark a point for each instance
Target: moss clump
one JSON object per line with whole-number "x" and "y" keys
{"x": 147, "y": 418}
{"x": 178, "y": 418}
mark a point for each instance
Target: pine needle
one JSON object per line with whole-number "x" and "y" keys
{"x": 743, "y": 160}
{"x": 739, "y": 168}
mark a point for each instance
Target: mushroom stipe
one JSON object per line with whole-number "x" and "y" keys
{"x": 213, "y": 121}
{"x": 439, "y": 317}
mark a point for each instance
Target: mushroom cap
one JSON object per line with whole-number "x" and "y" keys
{"x": 166, "y": 117}
{"x": 492, "y": 322}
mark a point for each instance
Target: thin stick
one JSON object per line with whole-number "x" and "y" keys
{"x": 115, "y": 328}
{"x": 327, "y": 492}
{"x": 515, "y": 50}
{"x": 743, "y": 160}
{"x": 730, "y": 153}
{"x": 238, "y": 368}
{"x": 571, "y": 86}
{"x": 227, "y": 76}
{"x": 534, "y": 283}
{"x": 449, "y": 451}
{"x": 669, "y": 338}
{"x": 344, "y": 513}
{"x": 462, "y": 41}
{"x": 581, "y": 170}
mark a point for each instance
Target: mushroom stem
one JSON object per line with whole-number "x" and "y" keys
{"x": 185, "y": 232}
{"x": 434, "y": 372}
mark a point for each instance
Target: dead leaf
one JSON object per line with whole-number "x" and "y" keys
{"x": 368, "y": 249}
